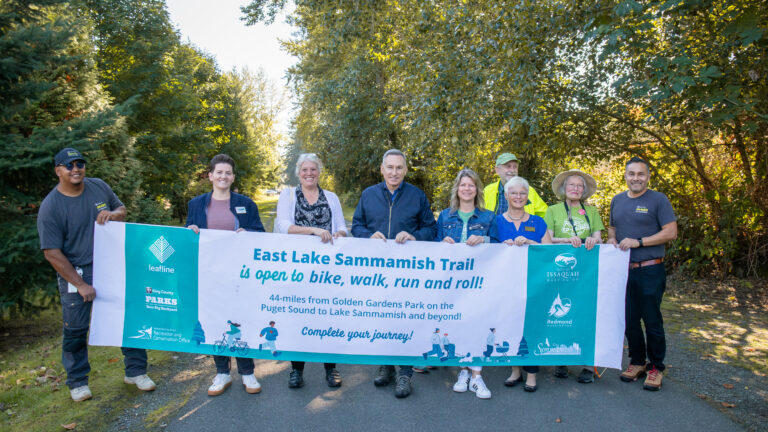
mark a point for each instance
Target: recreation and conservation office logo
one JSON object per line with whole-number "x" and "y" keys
{"x": 161, "y": 249}
{"x": 144, "y": 333}
{"x": 566, "y": 264}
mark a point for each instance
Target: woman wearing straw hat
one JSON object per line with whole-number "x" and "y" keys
{"x": 571, "y": 221}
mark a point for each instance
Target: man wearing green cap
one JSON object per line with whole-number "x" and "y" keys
{"x": 506, "y": 168}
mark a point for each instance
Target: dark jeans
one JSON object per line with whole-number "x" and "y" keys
{"x": 299, "y": 365}
{"x": 244, "y": 365}
{"x": 645, "y": 287}
{"x": 531, "y": 369}
{"x": 76, "y": 317}
{"x": 404, "y": 370}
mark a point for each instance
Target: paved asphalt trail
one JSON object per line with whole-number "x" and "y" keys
{"x": 607, "y": 405}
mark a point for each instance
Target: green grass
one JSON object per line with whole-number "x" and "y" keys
{"x": 730, "y": 335}
{"x": 32, "y": 390}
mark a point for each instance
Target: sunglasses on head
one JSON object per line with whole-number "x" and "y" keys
{"x": 70, "y": 165}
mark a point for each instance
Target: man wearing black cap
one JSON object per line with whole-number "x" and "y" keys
{"x": 65, "y": 225}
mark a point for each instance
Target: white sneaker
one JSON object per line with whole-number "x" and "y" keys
{"x": 462, "y": 382}
{"x": 220, "y": 383}
{"x": 143, "y": 382}
{"x": 477, "y": 385}
{"x": 81, "y": 393}
{"x": 252, "y": 386}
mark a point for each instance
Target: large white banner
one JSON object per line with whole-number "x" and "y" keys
{"x": 357, "y": 300}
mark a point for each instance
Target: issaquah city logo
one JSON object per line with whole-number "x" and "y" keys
{"x": 161, "y": 249}
{"x": 565, "y": 264}
{"x": 564, "y": 260}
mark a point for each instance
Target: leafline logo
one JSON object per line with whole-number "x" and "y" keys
{"x": 161, "y": 249}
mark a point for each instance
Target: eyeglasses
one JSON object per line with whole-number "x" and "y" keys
{"x": 575, "y": 186}
{"x": 70, "y": 165}
{"x": 517, "y": 193}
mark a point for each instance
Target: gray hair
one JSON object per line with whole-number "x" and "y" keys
{"x": 309, "y": 157}
{"x": 514, "y": 182}
{"x": 561, "y": 189}
{"x": 393, "y": 152}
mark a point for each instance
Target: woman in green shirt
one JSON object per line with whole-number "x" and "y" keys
{"x": 571, "y": 221}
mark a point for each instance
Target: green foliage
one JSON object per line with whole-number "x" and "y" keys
{"x": 49, "y": 99}
{"x": 562, "y": 84}
{"x": 112, "y": 78}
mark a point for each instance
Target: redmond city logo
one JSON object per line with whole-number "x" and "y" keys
{"x": 144, "y": 333}
{"x": 560, "y": 307}
{"x": 161, "y": 249}
{"x": 545, "y": 349}
{"x": 564, "y": 260}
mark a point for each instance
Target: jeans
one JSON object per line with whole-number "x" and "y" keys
{"x": 299, "y": 366}
{"x": 645, "y": 287}
{"x": 76, "y": 317}
{"x": 244, "y": 365}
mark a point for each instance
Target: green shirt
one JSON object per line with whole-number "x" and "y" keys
{"x": 557, "y": 221}
{"x": 465, "y": 218}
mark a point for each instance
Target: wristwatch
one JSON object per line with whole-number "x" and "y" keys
{"x": 640, "y": 240}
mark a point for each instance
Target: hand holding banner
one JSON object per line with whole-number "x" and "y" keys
{"x": 357, "y": 300}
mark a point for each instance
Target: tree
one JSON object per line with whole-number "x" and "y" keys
{"x": 198, "y": 335}
{"x": 49, "y": 99}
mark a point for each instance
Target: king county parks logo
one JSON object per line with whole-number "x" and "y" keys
{"x": 564, "y": 260}
{"x": 560, "y": 307}
{"x": 161, "y": 249}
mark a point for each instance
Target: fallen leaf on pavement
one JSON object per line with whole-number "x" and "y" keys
{"x": 728, "y": 405}
{"x": 137, "y": 405}
{"x": 70, "y": 426}
{"x": 113, "y": 360}
{"x": 200, "y": 357}
{"x": 702, "y": 396}
{"x": 558, "y": 420}
{"x": 728, "y": 386}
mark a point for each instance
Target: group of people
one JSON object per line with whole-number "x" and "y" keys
{"x": 507, "y": 211}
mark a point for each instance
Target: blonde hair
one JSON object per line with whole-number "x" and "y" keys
{"x": 466, "y": 172}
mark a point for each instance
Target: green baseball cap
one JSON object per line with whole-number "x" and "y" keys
{"x": 504, "y": 158}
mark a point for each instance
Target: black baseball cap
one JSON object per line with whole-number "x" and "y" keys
{"x": 67, "y": 155}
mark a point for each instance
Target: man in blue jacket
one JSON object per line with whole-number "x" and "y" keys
{"x": 394, "y": 209}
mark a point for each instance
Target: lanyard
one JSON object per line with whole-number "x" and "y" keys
{"x": 570, "y": 219}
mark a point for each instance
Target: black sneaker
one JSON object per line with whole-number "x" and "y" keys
{"x": 403, "y": 387}
{"x": 297, "y": 379}
{"x": 586, "y": 376}
{"x": 333, "y": 378}
{"x": 561, "y": 372}
{"x": 384, "y": 376}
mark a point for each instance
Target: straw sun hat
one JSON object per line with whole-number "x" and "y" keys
{"x": 589, "y": 181}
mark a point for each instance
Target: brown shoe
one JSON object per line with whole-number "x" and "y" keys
{"x": 653, "y": 382}
{"x": 632, "y": 373}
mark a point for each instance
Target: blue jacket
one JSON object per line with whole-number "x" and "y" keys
{"x": 482, "y": 223}
{"x": 409, "y": 212}
{"x": 245, "y": 210}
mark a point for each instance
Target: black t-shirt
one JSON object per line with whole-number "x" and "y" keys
{"x": 642, "y": 216}
{"x": 66, "y": 223}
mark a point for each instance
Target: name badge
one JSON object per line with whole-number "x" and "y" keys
{"x": 530, "y": 229}
{"x": 240, "y": 210}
